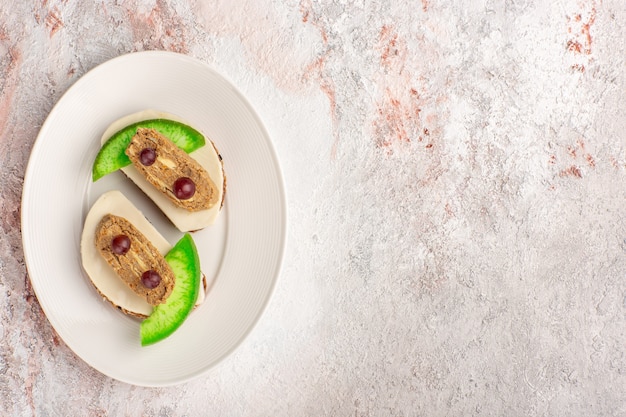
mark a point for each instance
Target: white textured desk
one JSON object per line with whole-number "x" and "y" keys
{"x": 456, "y": 182}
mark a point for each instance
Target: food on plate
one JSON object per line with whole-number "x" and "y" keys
{"x": 112, "y": 156}
{"x": 167, "y": 317}
{"x": 169, "y": 169}
{"x": 171, "y": 162}
{"x": 113, "y": 233}
{"x": 134, "y": 259}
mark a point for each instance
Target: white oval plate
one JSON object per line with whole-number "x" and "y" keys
{"x": 241, "y": 254}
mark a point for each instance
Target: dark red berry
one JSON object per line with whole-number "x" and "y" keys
{"x": 147, "y": 156}
{"x": 151, "y": 279}
{"x": 120, "y": 244}
{"x": 184, "y": 188}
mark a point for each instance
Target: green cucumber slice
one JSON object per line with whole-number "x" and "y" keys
{"x": 111, "y": 156}
{"x": 167, "y": 317}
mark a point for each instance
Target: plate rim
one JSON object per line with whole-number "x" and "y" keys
{"x": 282, "y": 203}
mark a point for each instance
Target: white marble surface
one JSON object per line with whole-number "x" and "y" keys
{"x": 456, "y": 182}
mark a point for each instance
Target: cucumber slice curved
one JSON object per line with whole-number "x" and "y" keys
{"x": 111, "y": 156}
{"x": 167, "y": 317}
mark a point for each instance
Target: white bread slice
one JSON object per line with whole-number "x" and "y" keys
{"x": 207, "y": 156}
{"x": 109, "y": 285}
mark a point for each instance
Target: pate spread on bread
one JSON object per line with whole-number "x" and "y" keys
{"x": 134, "y": 259}
{"x": 164, "y": 166}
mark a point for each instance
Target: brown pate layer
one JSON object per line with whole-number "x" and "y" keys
{"x": 171, "y": 164}
{"x": 142, "y": 256}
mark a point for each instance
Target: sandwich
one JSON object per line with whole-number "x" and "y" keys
{"x": 135, "y": 269}
{"x": 128, "y": 261}
{"x": 174, "y": 164}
